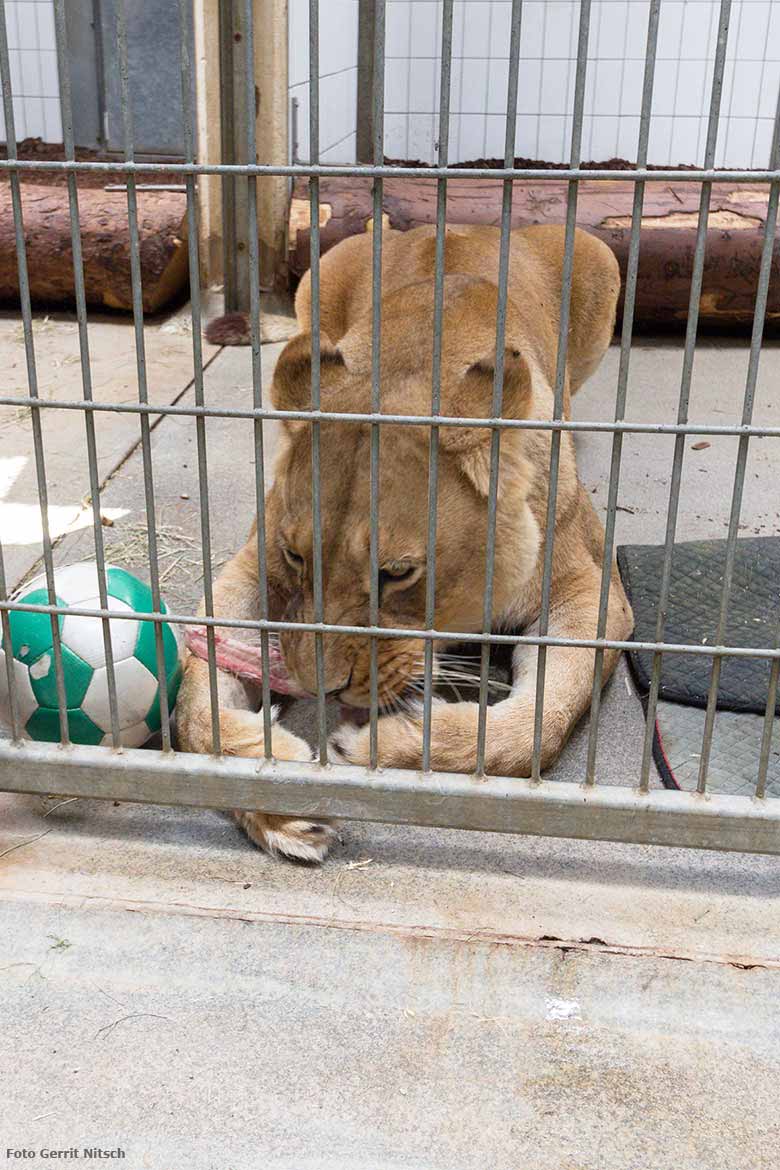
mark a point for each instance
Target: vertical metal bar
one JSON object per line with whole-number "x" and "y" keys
{"x": 378, "y": 126}
{"x": 5, "y": 617}
{"x": 227, "y": 105}
{"x": 364, "y": 144}
{"x": 66, "y": 109}
{"x": 253, "y": 241}
{"x": 691, "y": 329}
{"x": 316, "y": 482}
{"x": 233, "y": 82}
{"x": 197, "y": 358}
{"x": 560, "y": 378}
{"x": 5, "y": 631}
{"x": 769, "y": 722}
{"x": 498, "y": 377}
{"x": 622, "y": 386}
{"x": 759, "y": 318}
{"x": 100, "y": 74}
{"x": 140, "y": 361}
{"x": 732, "y": 94}
{"x": 32, "y": 374}
{"x": 295, "y": 146}
{"x": 438, "y": 313}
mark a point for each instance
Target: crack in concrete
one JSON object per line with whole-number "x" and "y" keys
{"x": 415, "y": 931}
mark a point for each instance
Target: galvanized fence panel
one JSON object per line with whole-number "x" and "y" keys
{"x": 587, "y": 810}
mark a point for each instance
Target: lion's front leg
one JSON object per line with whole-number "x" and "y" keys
{"x": 241, "y": 726}
{"x": 400, "y": 740}
{"x": 454, "y": 730}
{"x": 509, "y": 740}
{"x": 241, "y": 732}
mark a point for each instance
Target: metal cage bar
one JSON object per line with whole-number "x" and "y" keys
{"x": 498, "y": 377}
{"x": 10, "y": 674}
{"x": 626, "y": 337}
{"x": 769, "y": 721}
{"x": 438, "y": 319}
{"x": 377, "y": 126}
{"x": 316, "y": 503}
{"x": 422, "y": 420}
{"x": 193, "y": 256}
{"x": 86, "y": 370}
{"x": 740, "y": 467}
{"x": 692, "y": 325}
{"x": 388, "y": 171}
{"x": 140, "y": 357}
{"x": 560, "y": 377}
{"x": 493, "y": 804}
{"x": 392, "y": 632}
{"x": 32, "y": 375}
{"x": 257, "y": 369}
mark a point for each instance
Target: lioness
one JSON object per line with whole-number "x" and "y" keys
{"x": 467, "y": 369}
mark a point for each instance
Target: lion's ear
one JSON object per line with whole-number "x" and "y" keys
{"x": 472, "y": 397}
{"x": 291, "y": 387}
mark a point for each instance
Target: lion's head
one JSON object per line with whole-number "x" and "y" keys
{"x": 467, "y": 377}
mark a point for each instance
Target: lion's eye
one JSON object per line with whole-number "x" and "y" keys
{"x": 397, "y": 575}
{"x": 398, "y": 572}
{"x": 294, "y": 559}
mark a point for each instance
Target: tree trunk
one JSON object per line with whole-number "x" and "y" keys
{"x": 105, "y": 241}
{"x": 668, "y": 234}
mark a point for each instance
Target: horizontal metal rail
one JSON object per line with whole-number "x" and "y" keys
{"x": 325, "y": 171}
{"x": 439, "y": 799}
{"x": 369, "y": 631}
{"x": 411, "y": 420}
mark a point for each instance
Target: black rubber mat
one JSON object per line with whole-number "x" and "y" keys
{"x": 692, "y": 618}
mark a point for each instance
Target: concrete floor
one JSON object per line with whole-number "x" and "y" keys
{"x": 428, "y": 999}
{"x": 168, "y": 344}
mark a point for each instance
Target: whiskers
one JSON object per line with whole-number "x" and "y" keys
{"x": 395, "y": 703}
{"x": 402, "y": 690}
{"x": 456, "y": 672}
{"x": 451, "y": 673}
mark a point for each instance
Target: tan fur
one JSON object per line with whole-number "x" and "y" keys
{"x": 468, "y": 361}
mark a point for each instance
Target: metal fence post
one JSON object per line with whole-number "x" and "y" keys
{"x": 364, "y": 149}
{"x": 232, "y": 81}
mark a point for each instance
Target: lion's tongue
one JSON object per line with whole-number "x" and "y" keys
{"x": 246, "y": 662}
{"x": 243, "y": 660}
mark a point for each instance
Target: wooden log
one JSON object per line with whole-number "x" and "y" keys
{"x": 105, "y": 240}
{"x": 668, "y": 236}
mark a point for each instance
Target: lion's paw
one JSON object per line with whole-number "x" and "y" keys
{"x": 349, "y": 744}
{"x": 295, "y": 839}
{"x": 399, "y": 742}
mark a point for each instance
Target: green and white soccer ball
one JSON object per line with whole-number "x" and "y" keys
{"x": 83, "y": 660}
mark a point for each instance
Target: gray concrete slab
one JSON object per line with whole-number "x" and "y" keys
{"x": 168, "y": 342}
{"x": 717, "y": 391}
{"x": 698, "y": 905}
{"x": 211, "y": 1044}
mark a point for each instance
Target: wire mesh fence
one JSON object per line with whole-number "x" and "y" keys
{"x": 634, "y": 812}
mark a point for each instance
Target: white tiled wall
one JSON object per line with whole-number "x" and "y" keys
{"x": 338, "y": 77}
{"x": 618, "y": 30}
{"x": 686, "y": 47}
{"x": 34, "y": 80}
